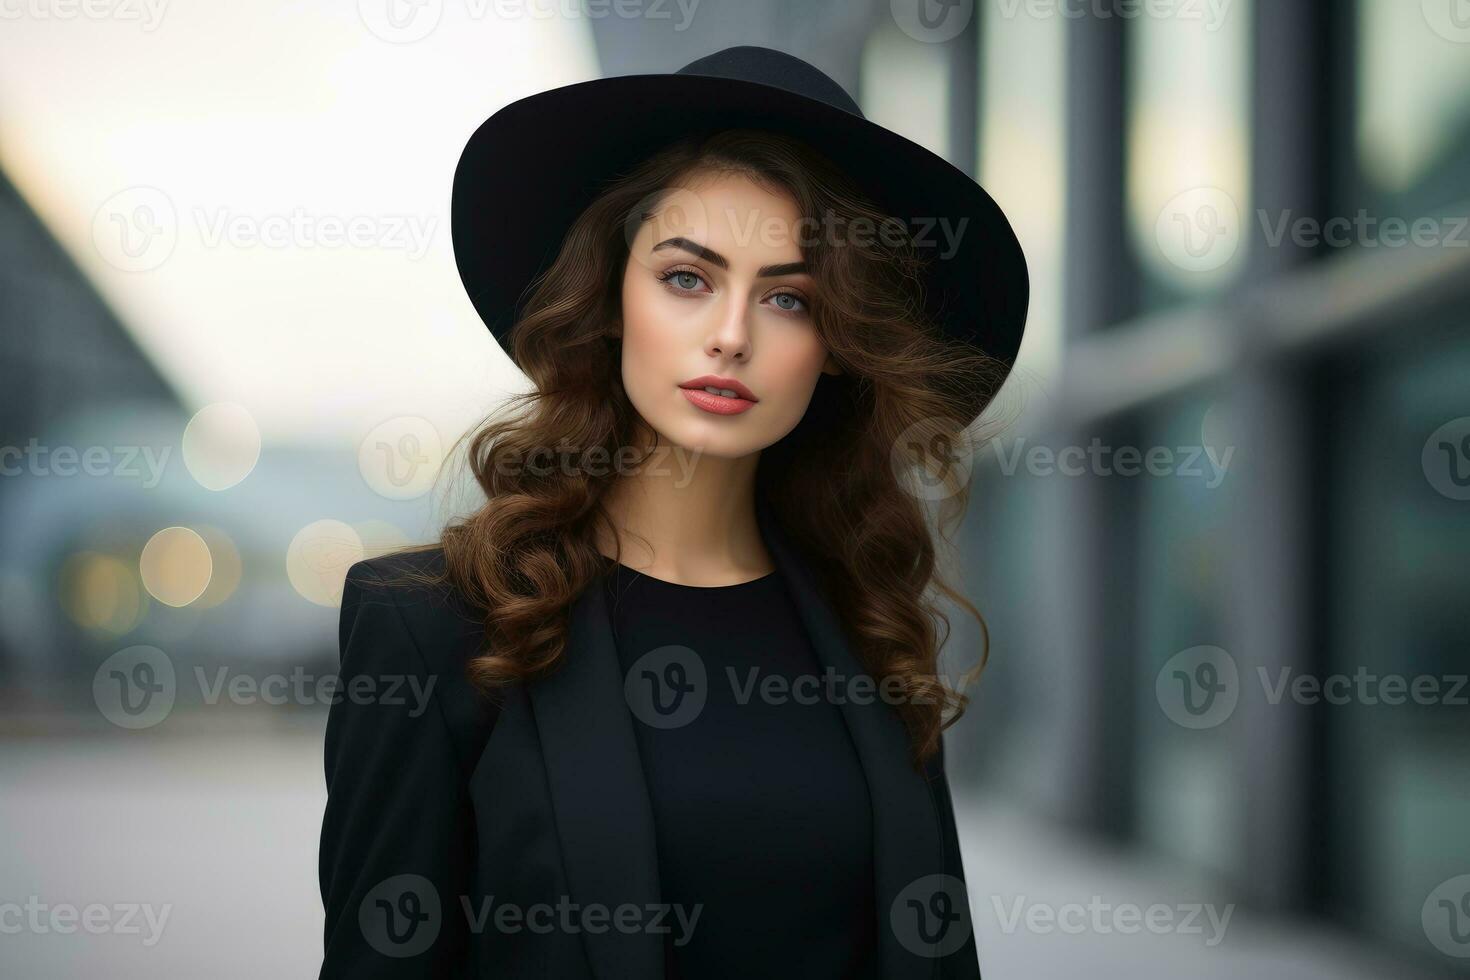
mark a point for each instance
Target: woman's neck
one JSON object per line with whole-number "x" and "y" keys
{"x": 688, "y": 517}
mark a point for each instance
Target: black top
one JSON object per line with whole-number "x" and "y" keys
{"x": 761, "y": 806}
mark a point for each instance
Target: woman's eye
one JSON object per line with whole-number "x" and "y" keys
{"x": 789, "y": 302}
{"x": 689, "y": 281}
{"x": 683, "y": 279}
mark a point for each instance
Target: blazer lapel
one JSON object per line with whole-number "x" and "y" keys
{"x": 604, "y": 819}
{"x": 603, "y": 815}
{"x": 907, "y": 842}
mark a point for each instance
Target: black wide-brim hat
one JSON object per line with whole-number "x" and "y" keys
{"x": 531, "y": 169}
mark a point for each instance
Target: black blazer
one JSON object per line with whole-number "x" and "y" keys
{"x": 438, "y": 800}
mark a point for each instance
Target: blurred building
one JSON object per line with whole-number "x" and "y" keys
{"x": 63, "y": 353}
{"x": 1264, "y": 282}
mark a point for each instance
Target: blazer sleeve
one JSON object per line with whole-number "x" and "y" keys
{"x": 963, "y": 963}
{"x": 397, "y": 834}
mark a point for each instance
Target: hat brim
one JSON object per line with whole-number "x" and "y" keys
{"x": 530, "y": 170}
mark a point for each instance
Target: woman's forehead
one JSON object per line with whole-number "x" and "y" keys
{"x": 732, "y": 216}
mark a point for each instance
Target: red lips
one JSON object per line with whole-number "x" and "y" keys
{"x": 713, "y": 381}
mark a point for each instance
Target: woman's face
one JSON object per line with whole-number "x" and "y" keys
{"x": 715, "y": 289}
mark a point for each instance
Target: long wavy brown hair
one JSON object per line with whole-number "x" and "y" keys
{"x": 850, "y": 485}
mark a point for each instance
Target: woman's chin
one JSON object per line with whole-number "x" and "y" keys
{"x": 701, "y": 440}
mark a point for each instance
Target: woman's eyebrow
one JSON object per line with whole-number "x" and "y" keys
{"x": 715, "y": 258}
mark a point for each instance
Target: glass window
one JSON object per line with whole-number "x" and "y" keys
{"x": 1188, "y": 149}
{"x": 1399, "y": 773}
{"x": 1022, "y": 156}
{"x": 1186, "y": 796}
{"x": 905, "y": 87}
{"x": 1412, "y": 131}
{"x": 1005, "y": 735}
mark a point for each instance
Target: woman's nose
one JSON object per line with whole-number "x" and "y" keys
{"x": 731, "y": 336}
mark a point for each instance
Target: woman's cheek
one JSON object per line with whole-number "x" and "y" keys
{"x": 639, "y": 364}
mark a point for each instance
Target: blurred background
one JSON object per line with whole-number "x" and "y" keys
{"x": 1220, "y": 526}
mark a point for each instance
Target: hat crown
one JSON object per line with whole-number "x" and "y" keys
{"x": 767, "y": 66}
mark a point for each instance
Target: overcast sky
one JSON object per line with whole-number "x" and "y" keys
{"x": 261, "y": 191}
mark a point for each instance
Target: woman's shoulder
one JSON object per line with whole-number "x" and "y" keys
{"x": 400, "y": 606}
{"x": 415, "y": 581}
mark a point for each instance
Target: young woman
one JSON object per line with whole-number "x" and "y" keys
{"x": 682, "y": 705}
